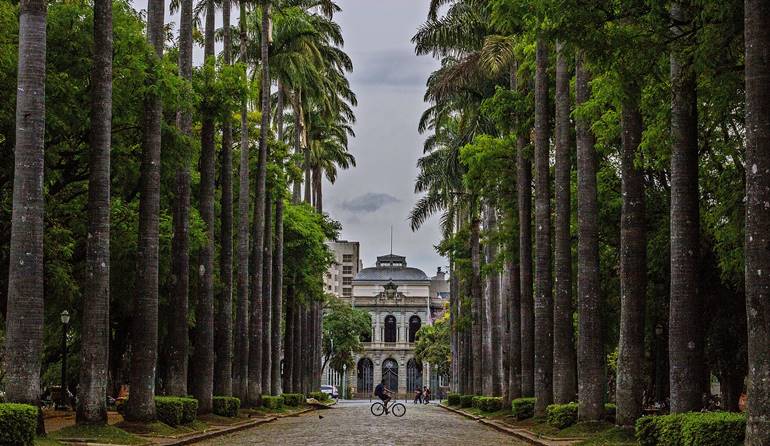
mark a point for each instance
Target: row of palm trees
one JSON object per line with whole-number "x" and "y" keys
{"x": 237, "y": 345}
{"x": 513, "y": 329}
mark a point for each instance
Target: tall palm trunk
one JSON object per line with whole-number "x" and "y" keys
{"x": 267, "y": 300}
{"x": 590, "y": 354}
{"x": 256, "y": 354}
{"x": 203, "y": 378}
{"x": 297, "y": 106}
{"x": 633, "y": 267}
{"x": 144, "y": 323}
{"x": 543, "y": 303}
{"x": 524, "y": 191}
{"x": 223, "y": 378}
{"x": 298, "y": 363}
{"x": 514, "y": 331}
{"x": 241, "y": 362}
{"x": 177, "y": 347}
{"x": 24, "y": 317}
{"x": 495, "y": 316}
{"x": 277, "y": 295}
{"x": 455, "y": 383}
{"x": 757, "y": 14}
{"x": 476, "y": 310}
{"x": 564, "y": 373}
{"x": 288, "y": 341}
{"x": 94, "y": 353}
{"x": 686, "y": 339}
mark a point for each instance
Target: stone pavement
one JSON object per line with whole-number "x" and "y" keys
{"x": 351, "y": 423}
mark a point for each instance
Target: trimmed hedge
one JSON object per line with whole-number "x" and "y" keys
{"x": 293, "y": 399}
{"x": 561, "y": 416}
{"x": 174, "y": 410}
{"x": 523, "y": 408}
{"x": 466, "y": 401}
{"x": 609, "y": 412}
{"x": 692, "y": 429}
{"x": 272, "y": 402}
{"x": 226, "y": 406}
{"x": 487, "y": 403}
{"x": 453, "y": 399}
{"x": 18, "y": 423}
{"x": 320, "y": 396}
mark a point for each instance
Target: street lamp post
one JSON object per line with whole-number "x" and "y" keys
{"x": 344, "y": 381}
{"x": 65, "y": 320}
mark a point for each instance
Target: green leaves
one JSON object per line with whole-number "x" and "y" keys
{"x": 343, "y": 329}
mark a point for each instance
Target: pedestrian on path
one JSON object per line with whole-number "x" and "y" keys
{"x": 417, "y": 395}
{"x": 426, "y": 395}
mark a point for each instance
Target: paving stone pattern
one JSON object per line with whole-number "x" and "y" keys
{"x": 351, "y": 423}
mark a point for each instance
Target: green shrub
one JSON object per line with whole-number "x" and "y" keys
{"x": 18, "y": 423}
{"x": 169, "y": 409}
{"x": 453, "y": 399}
{"x": 523, "y": 408}
{"x": 487, "y": 403}
{"x": 476, "y": 401}
{"x": 293, "y": 399}
{"x": 713, "y": 429}
{"x": 226, "y": 406}
{"x": 562, "y": 416}
{"x": 609, "y": 412}
{"x": 189, "y": 410}
{"x": 272, "y": 402}
{"x": 692, "y": 429}
{"x": 320, "y": 396}
{"x": 466, "y": 401}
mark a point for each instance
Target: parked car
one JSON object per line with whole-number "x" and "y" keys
{"x": 331, "y": 391}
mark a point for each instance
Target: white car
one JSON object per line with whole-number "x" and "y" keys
{"x": 331, "y": 391}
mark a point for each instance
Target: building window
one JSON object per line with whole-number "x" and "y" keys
{"x": 347, "y": 281}
{"x": 414, "y": 326}
{"x": 390, "y": 328}
{"x": 347, "y": 258}
{"x": 347, "y": 292}
{"x": 347, "y": 269}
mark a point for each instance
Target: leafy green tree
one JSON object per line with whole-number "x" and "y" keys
{"x": 343, "y": 329}
{"x": 432, "y": 345}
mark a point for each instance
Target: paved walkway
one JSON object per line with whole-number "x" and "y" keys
{"x": 351, "y": 423}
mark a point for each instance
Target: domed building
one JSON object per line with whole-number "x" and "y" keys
{"x": 400, "y": 299}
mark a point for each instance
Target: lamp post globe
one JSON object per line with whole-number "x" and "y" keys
{"x": 65, "y": 320}
{"x": 344, "y": 381}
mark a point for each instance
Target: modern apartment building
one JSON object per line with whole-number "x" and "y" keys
{"x": 339, "y": 278}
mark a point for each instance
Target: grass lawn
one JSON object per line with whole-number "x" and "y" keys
{"x": 614, "y": 436}
{"x": 263, "y": 412}
{"x": 158, "y": 429}
{"x": 502, "y": 413}
{"x": 47, "y": 442}
{"x": 98, "y": 434}
{"x": 218, "y": 420}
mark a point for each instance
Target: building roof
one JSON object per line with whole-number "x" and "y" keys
{"x": 391, "y": 267}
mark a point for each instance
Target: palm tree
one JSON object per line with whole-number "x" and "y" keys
{"x": 564, "y": 379}
{"x": 256, "y": 354}
{"x": 543, "y": 303}
{"x": 267, "y": 288}
{"x": 94, "y": 354}
{"x": 144, "y": 324}
{"x": 590, "y": 354}
{"x": 242, "y": 349}
{"x": 24, "y": 317}
{"x": 203, "y": 376}
{"x": 685, "y": 332}
{"x": 176, "y": 375}
{"x": 633, "y": 266}
{"x": 277, "y": 291}
{"x": 757, "y": 220}
{"x": 223, "y": 378}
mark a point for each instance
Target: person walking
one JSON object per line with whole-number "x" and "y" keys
{"x": 417, "y": 395}
{"x": 426, "y": 395}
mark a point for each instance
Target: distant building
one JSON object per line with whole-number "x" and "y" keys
{"x": 339, "y": 278}
{"x": 400, "y": 299}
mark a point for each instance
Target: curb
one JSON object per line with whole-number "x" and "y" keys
{"x": 219, "y": 433}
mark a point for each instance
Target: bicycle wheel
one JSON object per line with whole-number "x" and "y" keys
{"x": 398, "y": 410}
{"x": 377, "y": 409}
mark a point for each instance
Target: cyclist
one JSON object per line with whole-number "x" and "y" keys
{"x": 383, "y": 393}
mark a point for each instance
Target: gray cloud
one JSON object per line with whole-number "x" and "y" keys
{"x": 368, "y": 202}
{"x": 392, "y": 67}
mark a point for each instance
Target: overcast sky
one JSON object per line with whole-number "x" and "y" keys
{"x": 389, "y": 81}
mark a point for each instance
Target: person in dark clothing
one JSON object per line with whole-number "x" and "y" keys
{"x": 426, "y": 395}
{"x": 383, "y": 393}
{"x": 417, "y": 395}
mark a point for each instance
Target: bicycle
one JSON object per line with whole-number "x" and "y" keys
{"x": 396, "y": 409}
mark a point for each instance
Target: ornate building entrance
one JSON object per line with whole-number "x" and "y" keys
{"x": 390, "y": 374}
{"x": 364, "y": 384}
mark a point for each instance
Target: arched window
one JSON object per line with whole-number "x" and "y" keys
{"x": 390, "y": 328}
{"x": 365, "y": 374}
{"x": 413, "y": 375}
{"x": 390, "y": 374}
{"x": 414, "y": 325}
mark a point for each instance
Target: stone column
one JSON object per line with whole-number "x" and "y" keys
{"x": 376, "y": 318}
{"x": 402, "y": 390}
{"x": 377, "y": 372}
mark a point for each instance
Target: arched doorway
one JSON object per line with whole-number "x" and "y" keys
{"x": 414, "y": 325}
{"x": 390, "y": 328}
{"x": 413, "y": 375}
{"x": 390, "y": 374}
{"x": 364, "y": 384}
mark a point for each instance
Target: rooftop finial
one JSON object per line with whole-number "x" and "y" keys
{"x": 391, "y": 239}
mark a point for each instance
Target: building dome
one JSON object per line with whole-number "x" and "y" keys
{"x": 391, "y": 268}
